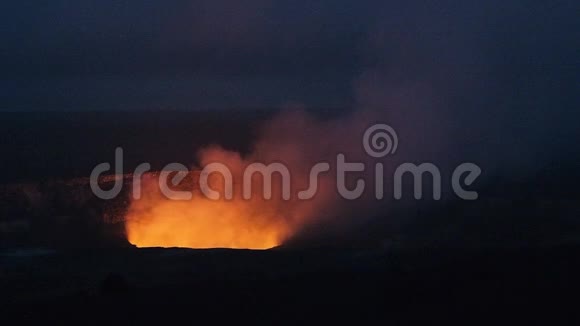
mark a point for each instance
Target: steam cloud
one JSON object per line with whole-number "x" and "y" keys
{"x": 446, "y": 86}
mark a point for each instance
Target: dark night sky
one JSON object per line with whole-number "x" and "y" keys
{"x": 188, "y": 55}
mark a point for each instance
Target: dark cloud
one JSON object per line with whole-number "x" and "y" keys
{"x": 59, "y": 54}
{"x": 95, "y": 55}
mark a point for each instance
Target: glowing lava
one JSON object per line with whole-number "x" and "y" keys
{"x": 202, "y": 223}
{"x": 155, "y": 221}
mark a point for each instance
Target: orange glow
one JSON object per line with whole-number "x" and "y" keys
{"x": 154, "y": 221}
{"x": 202, "y": 223}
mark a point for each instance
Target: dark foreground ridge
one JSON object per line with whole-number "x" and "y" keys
{"x": 139, "y": 285}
